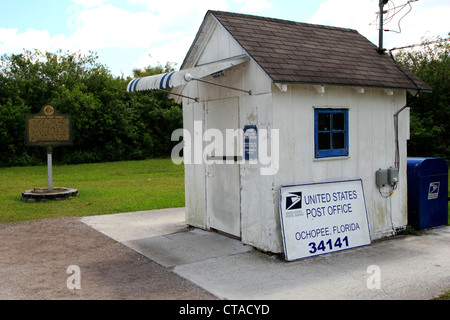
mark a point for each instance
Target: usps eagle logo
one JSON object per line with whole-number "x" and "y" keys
{"x": 293, "y": 201}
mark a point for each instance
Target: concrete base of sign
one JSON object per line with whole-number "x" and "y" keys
{"x": 42, "y": 194}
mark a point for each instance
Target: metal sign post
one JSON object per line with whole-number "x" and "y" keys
{"x": 49, "y": 170}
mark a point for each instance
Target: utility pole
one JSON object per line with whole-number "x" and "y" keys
{"x": 380, "y": 37}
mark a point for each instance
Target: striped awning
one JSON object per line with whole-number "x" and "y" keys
{"x": 178, "y": 78}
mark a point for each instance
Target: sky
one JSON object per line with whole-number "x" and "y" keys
{"x": 129, "y": 34}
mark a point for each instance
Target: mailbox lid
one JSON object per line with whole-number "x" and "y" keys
{"x": 427, "y": 166}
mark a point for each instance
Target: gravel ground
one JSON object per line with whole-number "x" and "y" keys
{"x": 35, "y": 256}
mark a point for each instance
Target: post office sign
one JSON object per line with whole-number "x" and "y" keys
{"x": 321, "y": 218}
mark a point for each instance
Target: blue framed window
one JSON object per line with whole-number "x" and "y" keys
{"x": 331, "y": 132}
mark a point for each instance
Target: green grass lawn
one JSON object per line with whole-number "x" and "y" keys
{"x": 103, "y": 188}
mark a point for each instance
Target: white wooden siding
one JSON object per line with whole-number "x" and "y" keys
{"x": 371, "y": 144}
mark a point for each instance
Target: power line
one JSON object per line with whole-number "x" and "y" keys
{"x": 396, "y": 12}
{"x": 420, "y": 44}
{"x": 390, "y": 16}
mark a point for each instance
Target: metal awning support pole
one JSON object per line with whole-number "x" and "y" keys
{"x": 49, "y": 170}
{"x": 224, "y": 86}
{"x": 180, "y": 95}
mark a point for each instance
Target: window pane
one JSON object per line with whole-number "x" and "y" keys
{"x": 339, "y": 121}
{"x": 331, "y": 132}
{"x": 324, "y": 121}
{"x": 324, "y": 141}
{"x": 338, "y": 140}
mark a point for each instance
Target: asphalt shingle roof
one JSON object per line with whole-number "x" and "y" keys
{"x": 294, "y": 52}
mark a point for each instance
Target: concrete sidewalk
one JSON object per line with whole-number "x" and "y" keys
{"x": 411, "y": 267}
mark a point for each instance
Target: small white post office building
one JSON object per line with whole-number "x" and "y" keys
{"x": 295, "y": 104}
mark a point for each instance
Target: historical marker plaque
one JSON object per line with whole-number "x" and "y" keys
{"x": 48, "y": 128}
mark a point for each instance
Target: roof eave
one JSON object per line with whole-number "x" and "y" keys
{"x": 354, "y": 85}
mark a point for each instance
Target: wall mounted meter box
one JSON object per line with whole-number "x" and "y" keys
{"x": 392, "y": 176}
{"x": 427, "y": 192}
{"x": 387, "y": 177}
{"x": 381, "y": 178}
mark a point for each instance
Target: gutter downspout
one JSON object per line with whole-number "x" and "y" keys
{"x": 397, "y": 148}
{"x": 397, "y": 151}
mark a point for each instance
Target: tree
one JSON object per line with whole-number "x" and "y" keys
{"x": 430, "y": 112}
{"x": 108, "y": 123}
{"x": 150, "y": 71}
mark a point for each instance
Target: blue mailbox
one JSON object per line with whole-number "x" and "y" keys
{"x": 427, "y": 192}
